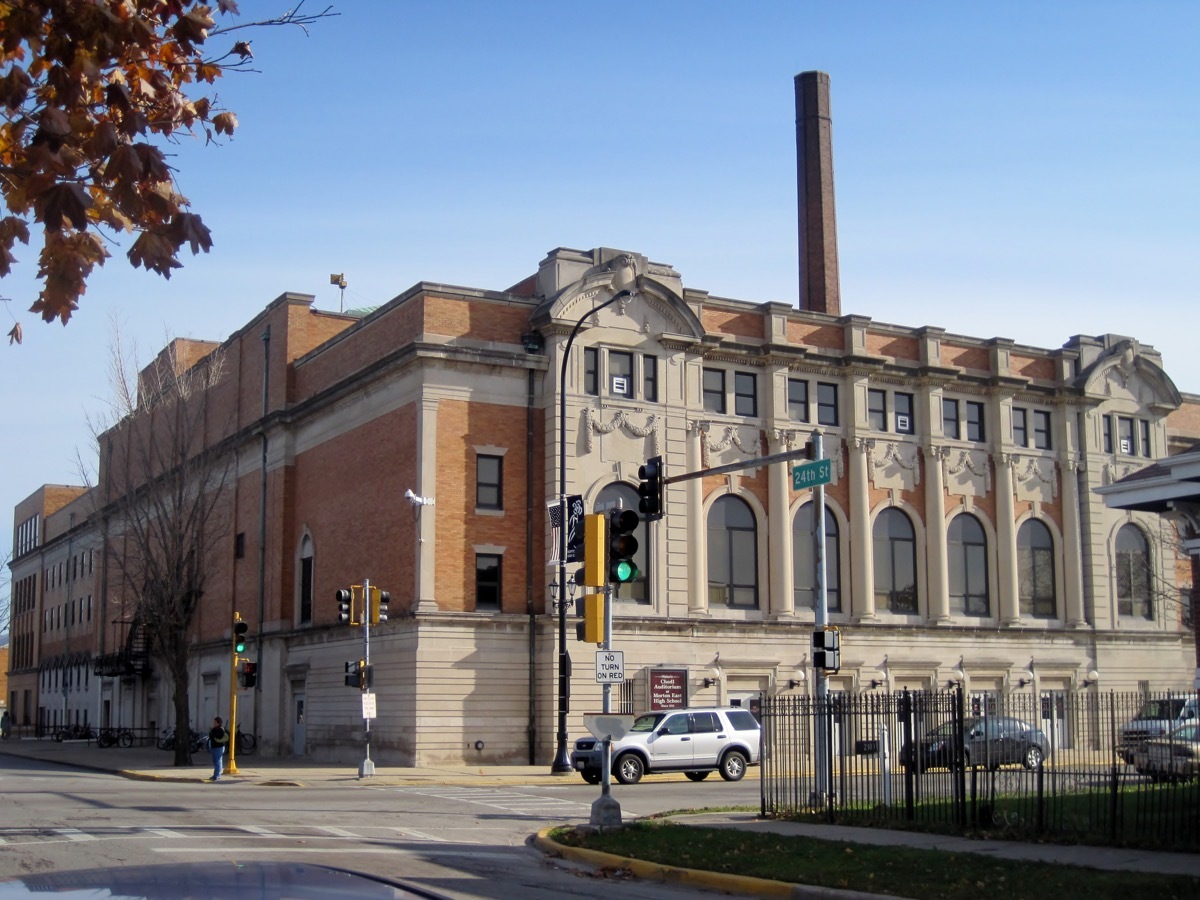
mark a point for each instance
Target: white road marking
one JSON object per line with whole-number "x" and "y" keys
{"x": 255, "y": 829}
{"x": 164, "y": 832}
{"x": 333, "y": 829}
{"x": 340, "y": 849}
{"x": 419, "y": 835}
{"x": 74, "y": 834}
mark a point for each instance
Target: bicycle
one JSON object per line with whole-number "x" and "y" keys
{"x": 112, "y": 737}
{"x": 246, "y": 742}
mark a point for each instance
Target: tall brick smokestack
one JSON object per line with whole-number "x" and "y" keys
{"x": 819, "y": 289}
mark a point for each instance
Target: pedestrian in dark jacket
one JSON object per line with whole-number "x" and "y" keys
{"x": 218, "y": 740}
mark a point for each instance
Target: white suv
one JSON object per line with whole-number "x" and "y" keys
{"x": 692, "y": 741}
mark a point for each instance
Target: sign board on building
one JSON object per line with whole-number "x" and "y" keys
{"x": 610, "y": 666}
{"x": 668, "y": 689}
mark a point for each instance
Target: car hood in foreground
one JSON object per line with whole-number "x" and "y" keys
{"x": 222, "y": 880}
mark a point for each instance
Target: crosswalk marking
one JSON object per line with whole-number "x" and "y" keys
{"x": 263, "y": 832}
{"x": 334, "y": 830}
{"x": 165, "y": 832}
{"x": 74, "y": 834}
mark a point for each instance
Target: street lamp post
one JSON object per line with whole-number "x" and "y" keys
{"x": 624, "y": 283}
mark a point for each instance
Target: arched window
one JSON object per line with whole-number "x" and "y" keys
{"x": 626, "y": 497}
{"x": 804, "y": 560}
{"x": 1133, "y": 574}
{"x": 1035, "y": 570}
{"x": 732, "y": 555}
{"x": 967, "y": 546}
{"x": 895, "y": 562}
{"x": 306, "y": 579}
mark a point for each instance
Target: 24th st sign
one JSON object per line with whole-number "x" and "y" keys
{"x": 610, "y": 666}
{"x": 811, "y": 474}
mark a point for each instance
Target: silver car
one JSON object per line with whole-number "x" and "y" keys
{"x": 1175, "y": 756}
{"x": 693, "y": 741}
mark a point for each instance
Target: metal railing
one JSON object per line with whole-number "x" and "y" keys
{"x": 1080, "y": 767}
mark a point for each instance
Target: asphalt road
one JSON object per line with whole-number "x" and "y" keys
{"x": 462, "y": 841}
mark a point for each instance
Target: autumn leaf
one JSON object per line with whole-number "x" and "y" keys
{"x": 225, "y": 122}
{"x": 187, "y": 228}
{"x": 63, "y": 201}
{"x": 14, "y": 336}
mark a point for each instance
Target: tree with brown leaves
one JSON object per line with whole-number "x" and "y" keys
{"x": 90, "y": 91}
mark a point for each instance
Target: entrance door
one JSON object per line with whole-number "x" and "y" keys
{"x": 298, "y": 740}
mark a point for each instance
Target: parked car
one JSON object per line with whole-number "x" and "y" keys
{"x": 693, "y": 741}
{"x": 988, "y": 741}
{"x": 1156, "y": 718}
{"x": 1174, "y": 756}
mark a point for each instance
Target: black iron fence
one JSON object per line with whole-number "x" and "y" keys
{"x": 1082, "y": 767}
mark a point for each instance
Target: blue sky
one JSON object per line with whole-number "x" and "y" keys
{"x": 1024, "y": 169}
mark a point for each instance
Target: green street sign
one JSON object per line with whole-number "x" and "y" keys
{"x": 811, "y": 474}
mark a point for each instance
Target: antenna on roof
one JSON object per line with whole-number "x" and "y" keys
{"x": 340, "y": 281}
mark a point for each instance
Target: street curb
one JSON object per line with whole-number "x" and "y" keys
{"x": 736, "y": 884}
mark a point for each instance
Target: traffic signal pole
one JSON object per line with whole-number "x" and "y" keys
{"x": 820, "y": 620}
{"x": 367, "y": 768}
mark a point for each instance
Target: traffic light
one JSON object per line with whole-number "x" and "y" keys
{"x": 622, "y": 545}
{"x": 356, "y": 674}
{"x": 379, "y": 605}
{"x": 651, "y": 489}
{"x": 248, "y": 677}
{"x": 345, "y": 602}
{"x": 239, "y": 633}
{"x": 827, "y": 649}
{"x": 595, "y": 548}
{"x": 593, "y": 618}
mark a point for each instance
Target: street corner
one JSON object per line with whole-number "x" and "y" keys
{"x": 651, "y": 871}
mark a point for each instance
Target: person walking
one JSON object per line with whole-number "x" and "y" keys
{"x": 218, "y": 740}
{"x": 5, "y": 724}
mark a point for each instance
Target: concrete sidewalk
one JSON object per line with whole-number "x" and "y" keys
{"x": 152, "y": 764}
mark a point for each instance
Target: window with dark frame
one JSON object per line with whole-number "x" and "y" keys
{"x": 745, "y": 394}
{"x": 804, "y": 567}
{"x": 1144, "y": 437}
{"x": 906, "y": 422}
{"x": 895, "y": 549}
{"x": 1041, "y": 430}
{"x": 732, "y": 554}
{"x": 1020, "y": 428}
{"x": 487, "y": 582}
{"x": 489, "y": 475}
{"x": 591, "y": 371}
{"x": 239, "y": 545}
{"x": 1108, "y": 434}
{"x": 976, "y": 429}
{"x": 950, "y": 419}
{"x": 797, "y": 400}
{"x": 968, "y": 566}
{"x": 620, "y": 374}
{"x": 1035, "y": 570}
{"x": 877, "y": 409}
{"x": 827, "y": 404}
{"x": 306, "y": 587}
{"x": 1133, "y": 574}
{"x": 650, "y": 378}
{"x": 1125, "y": 436}
{"x": 714, "y": 390}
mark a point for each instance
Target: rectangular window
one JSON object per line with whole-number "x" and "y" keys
{"x": 620, "y": 374}
{"x": 489, "y": 473}
{"x": 1125, "y": 436}
{"x": 950, "y": 419}
{"x": 714, "y": 390}
{"x": 745, "y": 394}
{"x": 591, "y": 371}
{"x": 1020, "y": 433}
{"x": 877, "y": 409}
{"x": 905, "y": 421}
{"x": 1108, "y": 437}
{"x": 797, "y": 400}
{"x": 650, "y": 379}
{"x": 1041, "y": 430}
{"x": 239, "y": 545}
{"x": 827, "y": 404}
{"x": 1144, "y": 437}
{"x": 976, "y": 431}
{"x": 487, "y": 582}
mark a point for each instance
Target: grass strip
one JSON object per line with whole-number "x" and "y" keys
{"x": 900, "y": 871}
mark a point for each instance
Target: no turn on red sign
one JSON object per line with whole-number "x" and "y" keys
{"x": 610, "y": 666}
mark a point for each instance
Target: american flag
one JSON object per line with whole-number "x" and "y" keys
{"x": 556, "y": 521}
{"x": 573, "y": 528}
